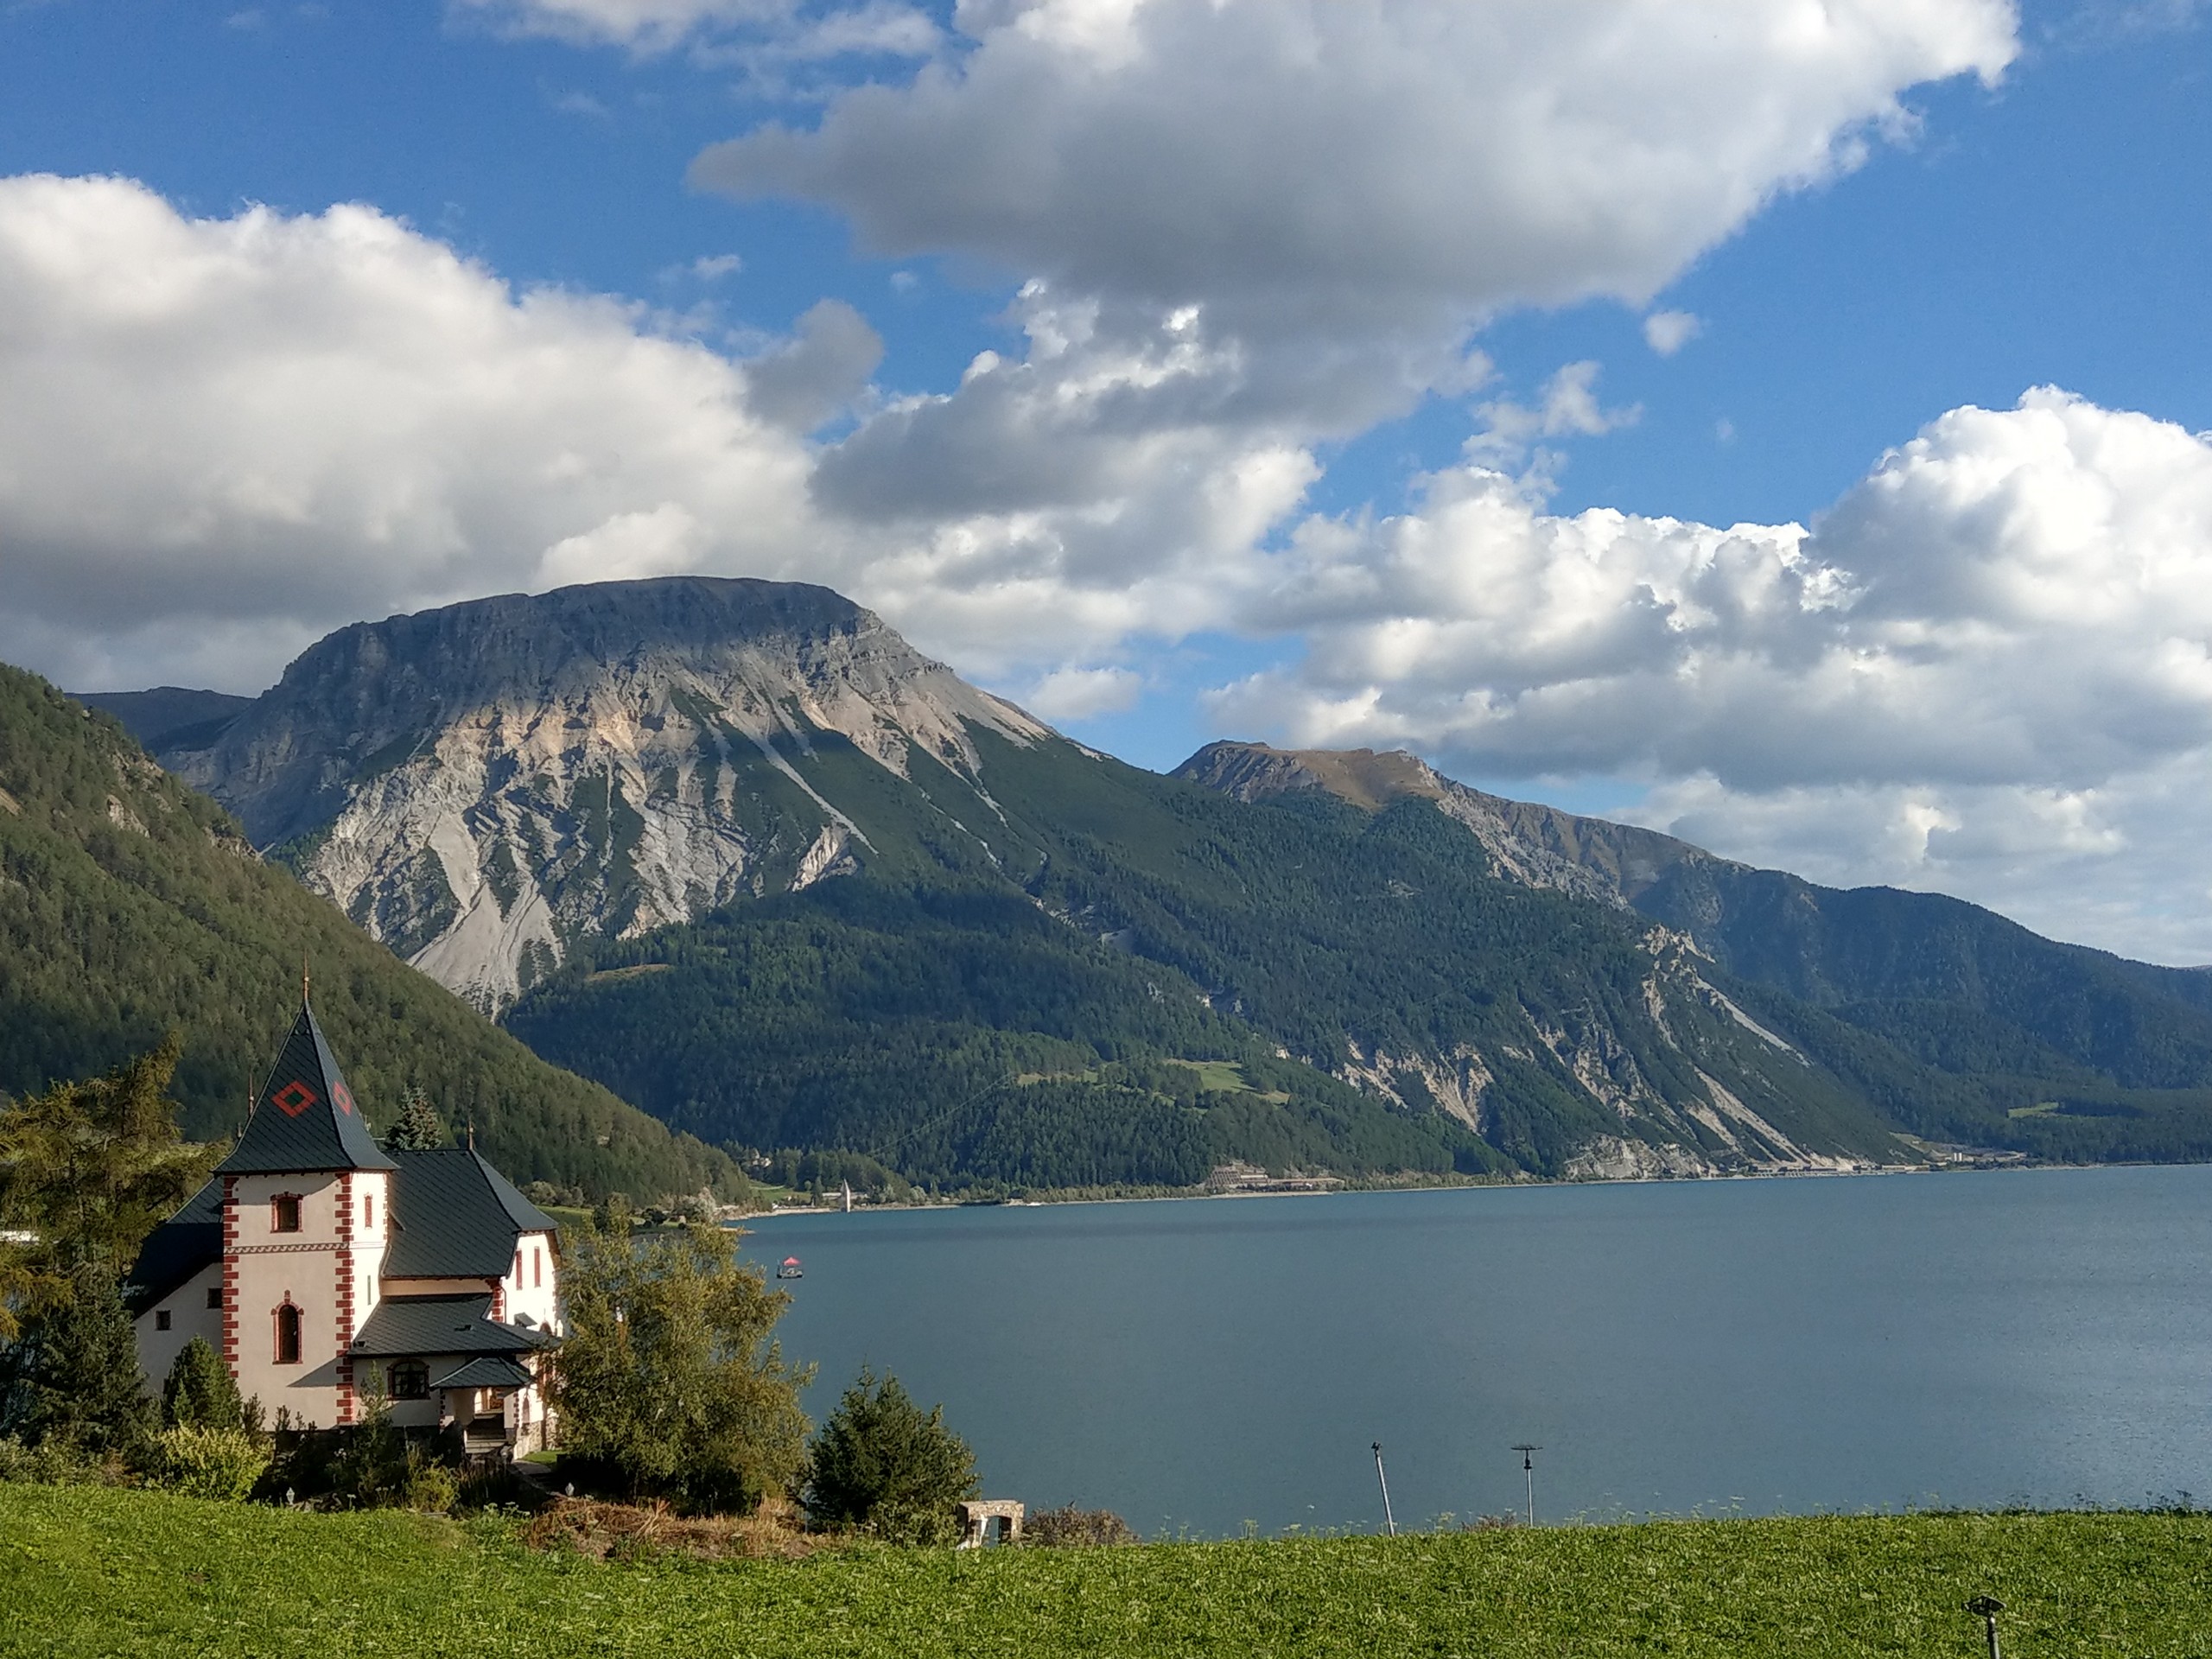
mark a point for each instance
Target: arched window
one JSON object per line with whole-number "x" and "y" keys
{"x": 410, "y": 1380}
{"x": 288, "y": 1335}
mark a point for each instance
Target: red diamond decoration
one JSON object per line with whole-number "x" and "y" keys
{"x": 294, "y": 1098}
{"x": 342, "y": 1096}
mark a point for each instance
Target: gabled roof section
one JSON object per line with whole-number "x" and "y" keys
{"x": 179, "y": 1247}
{"x": 455, "y": 1217}
{"x": 490, "y": 1372}
{"x": 307, "y": 1118}
{"x": 422, "y": 1325}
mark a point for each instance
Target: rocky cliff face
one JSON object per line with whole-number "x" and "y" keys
{"x": 1538, "y": 846}
{"x": 479, "y": 786}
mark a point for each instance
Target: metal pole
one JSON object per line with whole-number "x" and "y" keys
{"x": 1988, "y": 1607}
{"x": 1528, "y": 1469}
{"x": 1383, "y": 1480}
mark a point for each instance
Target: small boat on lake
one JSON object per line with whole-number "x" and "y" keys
{"x": 791, "y": 1268}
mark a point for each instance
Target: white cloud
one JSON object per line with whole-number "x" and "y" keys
{"x": 1305, "y": 167}
{"x": 1082, "y": 693}
{"x": 1509, "y": 431}
{"x": 1668, "y": 332}
{"x": 643, "y": 25}
{"x": 219, "y": 438}
{"x": 1988, "y": 669}
{"x": 766, "y": 38}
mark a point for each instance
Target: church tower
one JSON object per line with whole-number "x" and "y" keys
{"x": 307, "y": 1216}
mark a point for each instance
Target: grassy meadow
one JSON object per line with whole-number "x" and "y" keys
{"x": 95, "y": 1571}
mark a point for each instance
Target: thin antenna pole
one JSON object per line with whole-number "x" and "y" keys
{"x": 1389, "y": 1519}
{"x": 1528, "y": 1468}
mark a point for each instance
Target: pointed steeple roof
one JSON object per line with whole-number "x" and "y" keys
{"x": 307, "y": 1118}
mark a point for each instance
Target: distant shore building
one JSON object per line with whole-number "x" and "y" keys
{"x": 315, "y": 1257}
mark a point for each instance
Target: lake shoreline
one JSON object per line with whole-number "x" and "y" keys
{"x": 1052, "y": 1199}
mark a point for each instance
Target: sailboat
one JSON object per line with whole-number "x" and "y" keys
{"x": 791, "y": 1268}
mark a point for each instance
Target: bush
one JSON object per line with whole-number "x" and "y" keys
{"x": 58, "y": 1461}
{"x": 198, "y": 1392}
{"x": 434, "y": 1488}
{"x": 209, "y": 1462}
{"x": 881, "y": 1464}
{"x": 1068, "y": 1526}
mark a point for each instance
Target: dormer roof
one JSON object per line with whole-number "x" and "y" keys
{"x": 306, "y": 1119}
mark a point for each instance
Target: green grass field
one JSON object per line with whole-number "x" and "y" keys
{"x": 85, "y": 1571}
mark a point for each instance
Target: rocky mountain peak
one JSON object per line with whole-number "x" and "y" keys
{"x": 1253, "y": 772}
{"x": 480, "y": 784}
{"x": 1539, "y": 846}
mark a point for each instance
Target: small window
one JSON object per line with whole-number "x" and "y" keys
{"x": 369, "y": 1212}
{"x": 214, "y": 1295}
{"x": 288, "y": 1335}
{"x": 410, "y": 1380}
{"x": 517, "y": 1269}
{"x": 536, "y": 1269}
{"x": 162, "y": 1319}
{"x": 284, "y": 1213}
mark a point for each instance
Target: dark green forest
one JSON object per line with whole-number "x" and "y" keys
{"x": 130, "y": 905}
{"x": 960, "y": 1009}
{"x": 989, "y": 999}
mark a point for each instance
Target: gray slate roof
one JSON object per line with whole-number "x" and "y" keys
{"x": 455, "y": 1217}
{"x": 306, "y": 1118}
{"x": 420, "y": 1325}
{"x": 488, "y": 1373}
{"x": 179, "y": 1247}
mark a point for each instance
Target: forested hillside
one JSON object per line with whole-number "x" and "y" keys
{"x": 129, "y": 906}
{"x": 953, "y": 1008}
{"x": 1955, "y": 1022}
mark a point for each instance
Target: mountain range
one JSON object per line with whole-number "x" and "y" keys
{"x": 736, "y": 851}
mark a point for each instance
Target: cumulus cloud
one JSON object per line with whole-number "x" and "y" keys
{"x": 1668, "y": 332}
{"x": 1305, "y": 167}
{"x": 820, "y": 371}
{"x": 1991, "y": 661}
{"x": 219, "y": 438}
{"x": 1084, "y": 693}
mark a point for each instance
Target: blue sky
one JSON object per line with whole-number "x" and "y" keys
{"x": 1352, "y": 510}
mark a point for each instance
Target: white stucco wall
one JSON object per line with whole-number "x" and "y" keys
{"x": 189, "y": 1317}
{"x": 271, "y": 1268}
{"x": 535, "y": 1290}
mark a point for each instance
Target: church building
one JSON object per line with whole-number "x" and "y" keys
{"x": 317, "y": 1258}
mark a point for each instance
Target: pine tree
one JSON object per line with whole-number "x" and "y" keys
{"x": 89, "y": 1169}
{"x": 879, "y": 1462}
{"x": 77, "y": 1378}
{"x": 419, "y": 1128}
{"x": 200, "y": 1393}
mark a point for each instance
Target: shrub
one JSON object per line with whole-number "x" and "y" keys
{"x": 209, "y": 1462}
{"x": 58, "y": 1461}
{"x": 434, "y": 1488}
{"x": 199, "y": 1391}
{"x": 1068, "y": 1526}
{"x": 881, "y": 1463}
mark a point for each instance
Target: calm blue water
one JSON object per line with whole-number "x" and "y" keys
{"x": 1768, "y": 1344}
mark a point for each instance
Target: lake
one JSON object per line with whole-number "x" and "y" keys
{"x": 1767, "y": 1346}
